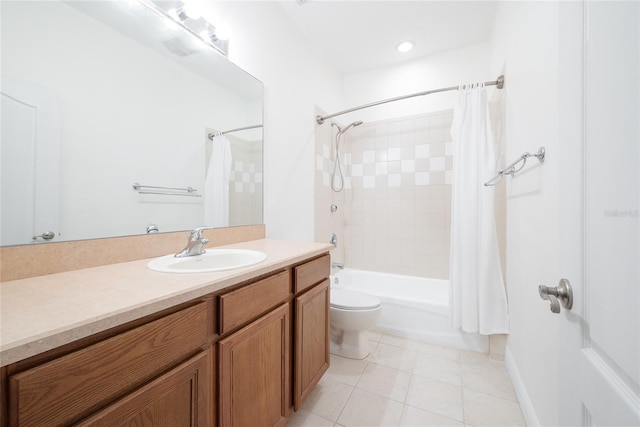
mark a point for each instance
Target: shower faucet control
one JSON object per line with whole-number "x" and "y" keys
{"x": 334, "y": 240}
{"x": 561, "y": 294}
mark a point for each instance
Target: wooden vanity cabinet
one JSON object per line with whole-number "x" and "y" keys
{"x": 239, "y": 358}
{"x": 256, "y": 362}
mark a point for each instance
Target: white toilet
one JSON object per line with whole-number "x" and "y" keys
{"x": 352, "y": 314}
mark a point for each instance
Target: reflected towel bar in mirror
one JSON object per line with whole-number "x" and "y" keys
{"x": 213, "y": 135}
{"x": 167, "y": 191}
{"x": 516, "y": 166}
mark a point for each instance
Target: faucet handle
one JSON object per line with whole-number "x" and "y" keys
{"x": 196, "y": 233}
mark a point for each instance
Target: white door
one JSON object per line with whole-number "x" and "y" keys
{"x": 599, "y": 356}
{"x": 29, "y": 163}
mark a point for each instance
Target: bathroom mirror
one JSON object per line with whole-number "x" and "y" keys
{"x": 98, "y": 96}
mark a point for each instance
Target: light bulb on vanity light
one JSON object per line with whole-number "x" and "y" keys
{"x": 404, "y": 46}
{"x": 222, "y": 32}
{"x": 192, "y": 10}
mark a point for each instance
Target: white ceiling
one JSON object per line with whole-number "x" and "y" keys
{"x": 357, "y": 36}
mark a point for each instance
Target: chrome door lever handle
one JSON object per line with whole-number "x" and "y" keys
{"x": 561, "y": 294}
{"x": 48, "y": 235}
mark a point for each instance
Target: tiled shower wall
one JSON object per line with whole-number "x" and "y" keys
{"x": 245, "y": 180}
{"x": 395, "y": 211}
{"x": 398, "y": 203}
{"x": 245, "y": 186}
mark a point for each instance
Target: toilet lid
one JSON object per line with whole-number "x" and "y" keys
{"x": 351, "y": 300}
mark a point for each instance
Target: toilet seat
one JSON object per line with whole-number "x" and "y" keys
{"x": 351, "y": 300}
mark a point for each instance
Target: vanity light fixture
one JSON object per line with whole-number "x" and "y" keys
{"x": 404, "y": 46}
{"x": 188, "y": 16}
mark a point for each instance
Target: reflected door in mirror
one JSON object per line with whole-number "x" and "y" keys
{"x": 29, "y": 152}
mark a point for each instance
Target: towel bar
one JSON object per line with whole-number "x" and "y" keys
{"x": 171, "y": 191}
{"x": 512, "y": 170}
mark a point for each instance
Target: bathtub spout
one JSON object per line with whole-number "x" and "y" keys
{"x": 337, "y": 265}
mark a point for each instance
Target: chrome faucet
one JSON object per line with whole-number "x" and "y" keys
{"x": 338, "y": 265}
{"x": 195, "y": 243}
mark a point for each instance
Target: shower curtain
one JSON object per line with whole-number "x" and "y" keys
{"x": 478, "y": 299}
{"x": 216, "y": 186}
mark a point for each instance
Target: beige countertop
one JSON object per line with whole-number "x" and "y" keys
{"x": 45, "y": 312}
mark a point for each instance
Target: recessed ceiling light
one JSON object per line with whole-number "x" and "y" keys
{"x": 405, "y": 46}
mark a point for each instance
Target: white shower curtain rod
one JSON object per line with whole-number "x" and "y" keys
{"x": 213, "y": 135}
{"x": 499, "y": 83}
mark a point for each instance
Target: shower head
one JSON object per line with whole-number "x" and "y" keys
{"x": 349, "y": 126}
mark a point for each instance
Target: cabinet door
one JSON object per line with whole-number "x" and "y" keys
{"x": 311, "y": 340}
{"x": 179, "y": 398}
{"x": 254, "y": 373}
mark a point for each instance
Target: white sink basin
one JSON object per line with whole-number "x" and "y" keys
{"x": 212, "y": 260}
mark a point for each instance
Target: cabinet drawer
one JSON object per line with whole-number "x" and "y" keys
{"x": 312, "y": 272}
{"x": 247, "y": 303}
{"x": 73, "y": 386}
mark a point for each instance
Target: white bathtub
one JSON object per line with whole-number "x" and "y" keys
{"x": 412, "y": 307}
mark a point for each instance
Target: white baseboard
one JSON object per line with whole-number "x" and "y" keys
{"x": 528, "y": 412}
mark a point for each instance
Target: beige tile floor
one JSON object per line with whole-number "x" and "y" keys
{"x": 409, "y": 383}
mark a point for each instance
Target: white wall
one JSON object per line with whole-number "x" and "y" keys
{"x": 526, "y": 45}
{"x": 267, "y": 44}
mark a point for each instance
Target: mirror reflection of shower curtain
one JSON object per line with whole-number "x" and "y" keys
{"x": 478, "y": 299}
{"x": 216, "y": 198}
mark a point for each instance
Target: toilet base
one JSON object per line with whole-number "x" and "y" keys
{"x": 350, "y": 344}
